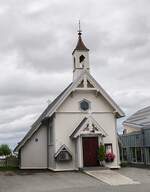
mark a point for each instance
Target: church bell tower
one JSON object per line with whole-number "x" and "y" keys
{"x": 80, "y": 57}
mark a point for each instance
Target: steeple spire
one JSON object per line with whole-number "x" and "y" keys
{"x": 80, "y": 56}
{"x": 80, "y": 45}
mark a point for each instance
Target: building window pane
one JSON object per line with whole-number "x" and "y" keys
{"x": 139, "y": 154}
{"x": 133, "y": 154}
{"x": 108, "y": 148}
{"x": 148, "y": 155}
{"x": 136, "y": 154}
{"x": 124, "y": 154}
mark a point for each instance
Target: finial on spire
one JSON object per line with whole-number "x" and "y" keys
{"x": 79, "y": 31}
{"x": 80, "y": 45}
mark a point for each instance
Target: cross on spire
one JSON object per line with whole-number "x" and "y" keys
{"x": 79, "y": 30}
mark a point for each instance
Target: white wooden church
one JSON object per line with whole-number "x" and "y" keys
{"x": 67, "y": 134}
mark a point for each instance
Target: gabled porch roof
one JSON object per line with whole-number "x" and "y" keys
{"x": 88, "y": 126}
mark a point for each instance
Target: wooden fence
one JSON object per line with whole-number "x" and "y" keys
{"x": 11, "y": 161}
{"x": 2, "y": 162}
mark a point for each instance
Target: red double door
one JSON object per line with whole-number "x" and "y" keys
{"x": 90, "y": 147}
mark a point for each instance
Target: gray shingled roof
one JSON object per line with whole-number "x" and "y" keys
{"x": 80, "y": 45}
{"x": 141, "y": 118}
{"x": 43, "y": 115}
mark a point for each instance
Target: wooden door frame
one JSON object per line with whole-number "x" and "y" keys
{"x": 79, "y": 146}
{"x": 87, "y": 136}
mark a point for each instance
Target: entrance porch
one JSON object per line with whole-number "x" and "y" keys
{"x": 87, "y": 137}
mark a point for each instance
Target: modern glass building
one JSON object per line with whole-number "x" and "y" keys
{"x": 135, "y": 141}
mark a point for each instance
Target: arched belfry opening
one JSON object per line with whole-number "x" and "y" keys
{"x": 81, "y": 58}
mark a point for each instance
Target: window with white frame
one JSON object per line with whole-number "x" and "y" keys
{"x": 108, "y": 148}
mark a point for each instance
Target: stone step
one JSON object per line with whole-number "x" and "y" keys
{"x": 94, "y": 168}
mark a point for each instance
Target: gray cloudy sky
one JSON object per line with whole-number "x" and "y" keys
{"x": 36, "y": 41}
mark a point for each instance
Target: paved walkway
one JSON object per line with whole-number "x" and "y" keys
{"x": 48, "y": 181}
{"x": 111, "y": 177}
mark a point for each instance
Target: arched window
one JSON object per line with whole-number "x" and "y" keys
{"x": 81, "y": 58}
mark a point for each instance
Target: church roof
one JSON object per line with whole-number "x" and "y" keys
{"x": 140, "y": 119}
{"x": 37, "y": 123}
{"x": 80, "y": 45}
{"x": 50, "y": 106}
{"x": 51, "y": 109}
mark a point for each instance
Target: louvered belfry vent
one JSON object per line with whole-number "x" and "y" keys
{"x": 63, "y": 154}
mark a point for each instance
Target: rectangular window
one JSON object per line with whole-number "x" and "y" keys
{"x": 108, "y": 148}
{"x": 147, "y": 150}
{"x": 133, "y": 154}
{"x": 149, "y": 154}
{"x": 124, "y": 154}
{"x": 139, "y": 154}
{"x": 136, "y": 154}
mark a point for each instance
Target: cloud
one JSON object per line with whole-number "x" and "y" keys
{"x": 37, "y": 39}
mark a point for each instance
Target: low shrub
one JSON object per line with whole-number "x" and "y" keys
{"x": 124, "y": 164}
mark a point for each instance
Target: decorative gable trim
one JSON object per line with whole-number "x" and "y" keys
{"x": 85, "y": 83}
{"x": 63, "y": 154}
{"x": 88, "y": 126}
{"x": 97, "y": 87}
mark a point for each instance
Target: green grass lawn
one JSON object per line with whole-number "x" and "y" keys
{"x": 8, "y": 168}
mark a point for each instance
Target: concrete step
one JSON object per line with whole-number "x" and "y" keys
{"x": 94, "y": 168}
{"x": 111, "y": 177}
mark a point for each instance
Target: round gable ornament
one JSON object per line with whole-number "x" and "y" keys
{"x": 84, "y": 105}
